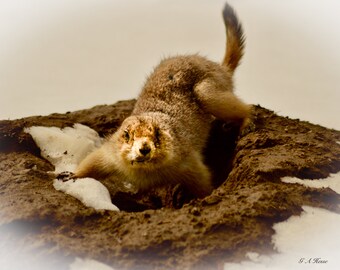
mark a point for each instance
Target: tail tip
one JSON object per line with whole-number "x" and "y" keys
{"x": 229, "y": 14}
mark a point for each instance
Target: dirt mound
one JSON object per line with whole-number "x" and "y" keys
{"x": 164, "y": 229}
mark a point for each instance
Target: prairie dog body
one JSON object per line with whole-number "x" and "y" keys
{"x": 164, "y": 138}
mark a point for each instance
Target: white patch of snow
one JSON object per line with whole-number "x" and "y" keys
{"x": 332, "y": 182}
{"x": 253, "y": 256}
{"x": 303, "y": 242}
{"x": 87, "y": 264}
{"x": 314, "y": 233}
{"x": 89, "y": 191}
{"x": 65, "y": 148}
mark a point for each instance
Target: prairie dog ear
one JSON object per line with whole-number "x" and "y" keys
{"x": 218, "y": 100}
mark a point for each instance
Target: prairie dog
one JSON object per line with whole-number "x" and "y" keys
{"x": 164, "y": 138}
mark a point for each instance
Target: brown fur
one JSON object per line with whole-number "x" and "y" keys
{"x": 235, "y": 39}
{"x": 164, "y": 138}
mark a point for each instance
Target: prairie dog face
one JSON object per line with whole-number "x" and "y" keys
{"x": 142, "y": 143}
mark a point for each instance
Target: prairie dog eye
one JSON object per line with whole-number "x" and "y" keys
{"x": 157, "y": 136}
{"x": 126, "y": 135}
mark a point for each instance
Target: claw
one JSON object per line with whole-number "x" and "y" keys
{"x": 65, "y": 176}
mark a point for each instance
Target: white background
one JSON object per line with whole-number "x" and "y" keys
{"x": 60, "y": 55}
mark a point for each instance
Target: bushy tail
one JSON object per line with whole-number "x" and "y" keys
{"x": 235, "y": 38}
{"x": 215, "y": 92}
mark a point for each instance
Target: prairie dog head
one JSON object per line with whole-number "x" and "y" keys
{"x": 143, "y": 142}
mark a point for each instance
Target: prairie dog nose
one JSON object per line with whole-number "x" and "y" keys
{"x": 145, "y": 149}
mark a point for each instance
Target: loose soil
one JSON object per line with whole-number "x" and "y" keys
{"x": 165, "y": 228}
